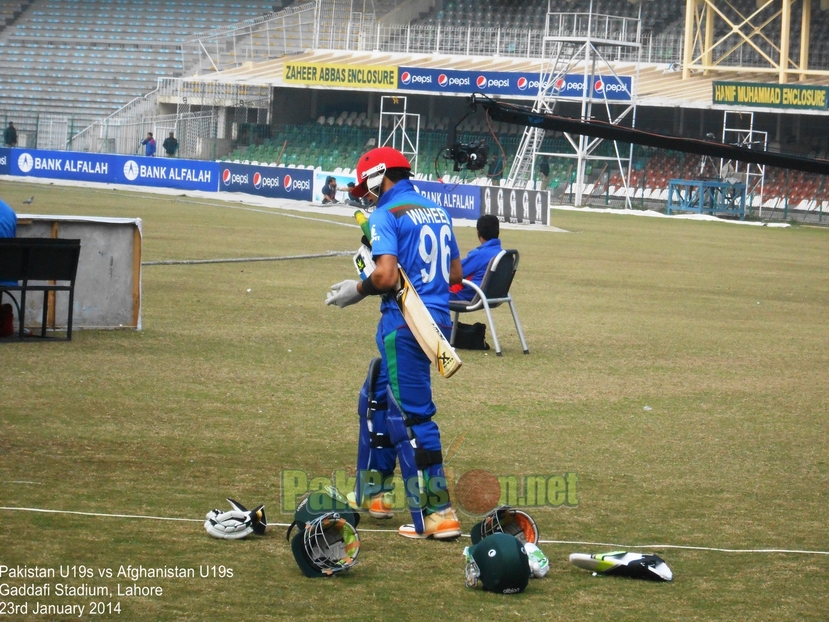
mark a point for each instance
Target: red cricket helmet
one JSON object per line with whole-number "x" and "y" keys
{"x": 372, "y": 166}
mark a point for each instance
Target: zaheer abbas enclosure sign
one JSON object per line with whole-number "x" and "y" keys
{"x": 795, "y": 97}
{"x": 350, "y": 76}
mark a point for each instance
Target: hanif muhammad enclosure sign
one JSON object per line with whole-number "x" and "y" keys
{"x": 795, "y": 97}
{"x": 346, "y": 76}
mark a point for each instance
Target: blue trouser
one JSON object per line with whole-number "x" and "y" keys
{"x": 403, "y": 389}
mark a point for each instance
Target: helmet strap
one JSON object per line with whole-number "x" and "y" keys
{"x": 472, "y": 571}
{"x": 374, "y": 180}
{"x": 375, "y": 192}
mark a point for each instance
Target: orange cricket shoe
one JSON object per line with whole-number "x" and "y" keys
{"x": 378, "y": 506}
{"x": 441, "y": 525}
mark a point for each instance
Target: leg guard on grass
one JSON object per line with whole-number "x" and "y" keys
{"x": 421, "y": 468}
{"x": 375, "y": 453}
{"x": 429, "y": 459}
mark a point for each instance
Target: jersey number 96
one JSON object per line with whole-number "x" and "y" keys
{"x": 434, "y": 253}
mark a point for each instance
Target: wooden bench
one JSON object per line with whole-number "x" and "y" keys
{"x": 44, "y": 261}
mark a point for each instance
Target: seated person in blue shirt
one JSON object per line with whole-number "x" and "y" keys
{"x": 475, "y": 263}
{"x": 354, "y": 201}
{"x": 329, "y": 191}
{"x": 8, "y": 229}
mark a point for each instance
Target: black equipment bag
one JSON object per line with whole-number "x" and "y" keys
{"x": 471, "y": 336}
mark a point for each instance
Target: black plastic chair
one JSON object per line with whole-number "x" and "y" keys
{"x": 493, "y": 292}
{"x": 45, "y": 261}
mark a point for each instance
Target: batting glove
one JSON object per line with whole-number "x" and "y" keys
{"x": 344, "y": 294}
{"x": 233, "y": 525}
{"x": 539, "y": 564}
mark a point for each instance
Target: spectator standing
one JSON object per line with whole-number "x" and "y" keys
{"x": 544, "y": 169}
{"x": 149, "y": 145}
{"x": 170, "y": 145}
{"x": 10, "y": 136}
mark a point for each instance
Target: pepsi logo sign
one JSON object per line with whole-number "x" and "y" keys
{"x": 481, "y": 82}
{"x": 574, "y": 86}
{"x": 407, "y": 78}
{"x": 443, "y": 80}
{"x": 613, "y": 88}
{"x": 229, "y": 178}
{"x": 522, "y": 83}
{"x": 599, "y": 86}
{"x": 260, "y": 181}
{"x": 290, "y": 184}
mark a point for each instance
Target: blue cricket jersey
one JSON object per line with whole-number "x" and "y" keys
{"x": 474, "y": 267}
{"x": 419, "y": 233}
{"x": 8, "y": 228}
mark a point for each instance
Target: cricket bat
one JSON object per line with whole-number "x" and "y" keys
{"x": 427, "y": 333}
{"x": 624, "y": 564}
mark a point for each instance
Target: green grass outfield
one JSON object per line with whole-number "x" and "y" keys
{"x": 720, "y": 330}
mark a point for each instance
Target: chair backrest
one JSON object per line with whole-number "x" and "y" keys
{"x": 39, "y": 259}
{"x": 55, "y": 262}
{"x": 12, "y": 261}
{"x": 499, "y": 275}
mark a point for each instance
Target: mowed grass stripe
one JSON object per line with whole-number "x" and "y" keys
{"x": 224, "y": 390}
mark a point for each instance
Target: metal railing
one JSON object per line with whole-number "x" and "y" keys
{"x": 456, "y": 40}
{"x": 328, "y": 25}
{"x": 104, "y": 137}
{"x": 182, "y": 91}
{"x": 593, "y": 26}
{"x": 290, "y": 31}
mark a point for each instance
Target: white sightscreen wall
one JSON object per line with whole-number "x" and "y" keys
{"x": 108, "y": 282}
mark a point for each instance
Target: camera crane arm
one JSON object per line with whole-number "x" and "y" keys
{"x": 520, "y": 115}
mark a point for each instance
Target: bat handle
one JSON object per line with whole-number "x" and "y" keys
{"x": 363, "y": 222}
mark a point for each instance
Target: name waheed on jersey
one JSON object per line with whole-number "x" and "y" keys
{"x": 422, "y": 215}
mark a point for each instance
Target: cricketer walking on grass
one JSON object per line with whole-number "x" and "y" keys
{"x": 396, "y": 407}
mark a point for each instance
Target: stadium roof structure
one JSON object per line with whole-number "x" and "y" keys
{"x": 657, "y": 85}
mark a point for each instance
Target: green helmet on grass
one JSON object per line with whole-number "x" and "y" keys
{"x": 500, "y": 562}
{"x": 325, "y": 546}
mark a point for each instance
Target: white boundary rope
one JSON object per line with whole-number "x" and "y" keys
{"x": 578, "y": 542}
{"x": 682, "y": 546}
{"x": 42, "y": 511}
{"x": 175, "y": 262}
